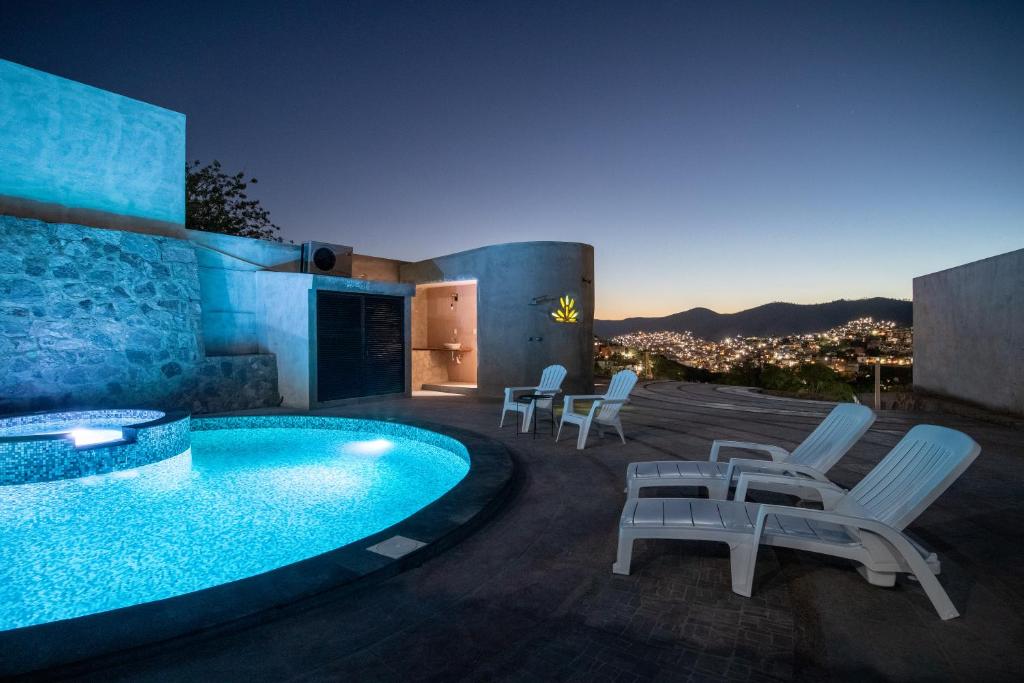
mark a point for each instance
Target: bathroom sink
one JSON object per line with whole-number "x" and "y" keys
{"x": 453, "y": 346}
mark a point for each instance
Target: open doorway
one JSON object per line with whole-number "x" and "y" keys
{"x": 444, "y": 345}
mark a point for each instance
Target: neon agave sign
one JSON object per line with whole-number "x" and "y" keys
{"x": 566, "y": 312}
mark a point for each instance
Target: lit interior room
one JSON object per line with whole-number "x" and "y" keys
{"x": 444, "y": 337}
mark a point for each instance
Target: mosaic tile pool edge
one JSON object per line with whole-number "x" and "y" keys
{"x": 42, "y": 458}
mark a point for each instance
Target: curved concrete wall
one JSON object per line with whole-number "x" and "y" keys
{"x": 518, "y": 287}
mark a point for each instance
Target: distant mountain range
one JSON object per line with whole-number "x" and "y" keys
{"x": 770, "y": 320}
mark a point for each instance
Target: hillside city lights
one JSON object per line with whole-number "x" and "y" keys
{"x": 843, "y": 348}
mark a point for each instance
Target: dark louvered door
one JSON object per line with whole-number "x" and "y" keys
{"x": 384, "y": 319}
{"x": 340, "y": 360}
{"x": 360, "y": 345}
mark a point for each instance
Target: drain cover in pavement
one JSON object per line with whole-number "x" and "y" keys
{"x": 396, "y": 547}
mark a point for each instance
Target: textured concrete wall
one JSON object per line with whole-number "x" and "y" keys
{"x": 282, "y": 306}
{"x": 246, "y": 251}
{"x": 287, "y": 258}
{"x": 518, "y": 286}
{"x": 969, "y": 332}
{"x": 103, "y": 318}
{"x": 71, "y": 152}
{"x": 376, "y": 268}
{"x": 230, "y": 297}
{"x": 235, "y": 298}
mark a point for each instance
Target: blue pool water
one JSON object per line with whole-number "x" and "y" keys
{"x": 242, "y": 502}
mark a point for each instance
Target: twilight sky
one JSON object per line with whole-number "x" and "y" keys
{"x": 715, "y": 154}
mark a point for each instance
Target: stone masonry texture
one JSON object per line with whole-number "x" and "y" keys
{"x": 93, "y": 318}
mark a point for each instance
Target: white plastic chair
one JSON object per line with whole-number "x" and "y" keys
{"x": 550, "y": 384}
{"x": 815, "y": 455}
{"x": 864, "y": 524}
{"x": 605, "y": 410}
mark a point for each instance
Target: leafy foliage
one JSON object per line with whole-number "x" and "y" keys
{"x": 745, "y": 374}
{"x": 779, "y": 379}
{"x": 217, "y": 202}
{"x": 666, "y": 368}
{"x": 811, "y": 380}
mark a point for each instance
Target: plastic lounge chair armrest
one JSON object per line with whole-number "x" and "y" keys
{"x": 602, "y": 401}
{"x": 899, "y": 543}
{"x": 830, "y": 493}
{"x": 850, "y": 523}
{"x": 568, "y": 399}
{"x": 777, "y": 453}
{"x": 853, "y": 524}
{"x": 738, "y": 465}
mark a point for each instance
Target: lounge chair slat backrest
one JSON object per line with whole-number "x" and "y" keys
{"x": 622, "y": 383}
{"x": 914, "y": 473}
{"x": 836, "y": 435}
{"x": 551, "y": 379}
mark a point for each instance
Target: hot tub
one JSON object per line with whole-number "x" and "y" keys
{"x": 41, "y": 447}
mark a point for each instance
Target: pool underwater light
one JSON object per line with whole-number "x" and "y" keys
{"x": 84, "y": 436}
{"x": 369, "y": 447}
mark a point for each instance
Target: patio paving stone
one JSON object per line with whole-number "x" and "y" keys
{"x": 530, "y": 595}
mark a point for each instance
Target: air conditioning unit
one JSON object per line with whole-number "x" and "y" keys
{"x": 321, "y": 258}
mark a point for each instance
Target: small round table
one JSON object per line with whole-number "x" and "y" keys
{"x": 526, "y": 400}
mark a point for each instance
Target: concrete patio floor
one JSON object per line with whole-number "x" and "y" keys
{"x": 530, "y": 596}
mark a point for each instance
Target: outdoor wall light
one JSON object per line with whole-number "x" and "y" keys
{"x": 566, "y": 312}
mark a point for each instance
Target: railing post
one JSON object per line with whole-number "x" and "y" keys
{"x": 878, "y": 384}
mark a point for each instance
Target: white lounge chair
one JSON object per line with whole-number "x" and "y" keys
{"x": 864, "y": 524}
{"x": 550, "y": 385}
{"x": 822, "y": 448}
{"x": 605, "y": 410}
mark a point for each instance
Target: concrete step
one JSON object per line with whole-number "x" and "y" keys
{"x": 452, "y": 388}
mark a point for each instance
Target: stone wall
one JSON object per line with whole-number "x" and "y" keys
{"x": 225, "y": 383}
{"x": 93, "y": 318}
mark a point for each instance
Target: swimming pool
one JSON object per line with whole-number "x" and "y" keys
{"x": 254, "y": 494}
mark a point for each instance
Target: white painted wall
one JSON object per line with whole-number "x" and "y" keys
{"x": 969, "y": 332}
